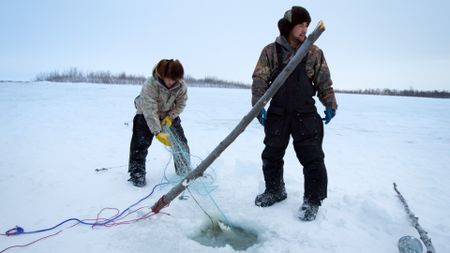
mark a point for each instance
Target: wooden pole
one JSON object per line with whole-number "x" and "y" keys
{"x": 415, "y": 222}
{"x": 285, "y": 73}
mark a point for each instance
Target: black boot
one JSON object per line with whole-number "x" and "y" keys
{"x": 272, "y": 158}
{"x": 137, "y": 173}
{"x": 140, "y": 142}
{"x": 138, "y": 179}
{"x": 308, "y": 211}
{"x": 270, "y": 197}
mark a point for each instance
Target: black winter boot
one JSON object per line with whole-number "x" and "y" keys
{"x": 270, "y": 197}
{"x": 308, "y": 211}
{"x": 138, "y": 179}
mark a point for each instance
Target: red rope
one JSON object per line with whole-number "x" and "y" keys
{"x": 35, "y": 241}
{"x": 122, "y": 220}
{"x": 160, "y": 205}
{"x": 28, "y": 244}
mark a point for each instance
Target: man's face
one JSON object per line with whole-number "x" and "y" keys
{"x": 299, "y": 32}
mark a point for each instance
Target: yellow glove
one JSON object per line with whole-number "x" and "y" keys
{"x": 167, "y": 121}
{"x": 164, "y": 138}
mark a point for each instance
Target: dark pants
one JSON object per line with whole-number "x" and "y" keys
{"x": 142, "y": 139}
{"x": 307, "y": 132}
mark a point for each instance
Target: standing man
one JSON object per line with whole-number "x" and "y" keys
{"x": 292, "y": 112}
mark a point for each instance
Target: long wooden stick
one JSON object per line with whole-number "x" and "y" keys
{"x": 415, "y": 222}
{"x": 285, "y": 73}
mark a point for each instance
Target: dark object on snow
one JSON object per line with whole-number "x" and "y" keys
{"x": 409, "y": 244}
{"x": 308, "y": 211}
{"x": 415, "y": 222}
{"x": 198, "y": 172}
{"x": 270, "y": 197}
{"x": 138, "y": 179}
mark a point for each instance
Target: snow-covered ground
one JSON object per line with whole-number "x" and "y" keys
{"x": 54, "y": 136}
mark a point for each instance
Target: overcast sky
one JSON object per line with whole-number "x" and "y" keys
{"x": 398, "y": 44}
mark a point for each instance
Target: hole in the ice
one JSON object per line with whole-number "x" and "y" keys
{"x": 216, "y": 233}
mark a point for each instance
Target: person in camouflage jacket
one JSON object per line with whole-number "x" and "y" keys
{"x": 161, "y": 101}
{"x": 292, "y": 112}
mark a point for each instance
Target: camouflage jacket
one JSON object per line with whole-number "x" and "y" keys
{"x": 156, "y": 101}
{"x": 316, "y": 69}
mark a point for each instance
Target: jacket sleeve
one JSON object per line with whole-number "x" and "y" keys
{"x": 149, "y": 104}
{"x": 322, "y": 80}
{"x": 180, "y": 102}
{"x": 261, "y": 76}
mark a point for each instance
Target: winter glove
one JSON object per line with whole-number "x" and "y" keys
{"x": 262, "y": 117}
{"x": 167, "y": 121}
{"x": 164, "y": 139}
{"x": 329, "y": 114}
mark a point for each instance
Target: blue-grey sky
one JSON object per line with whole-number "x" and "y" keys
{"x": 398, "y": 44}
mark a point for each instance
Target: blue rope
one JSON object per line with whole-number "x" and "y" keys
{"x": 217, "y": 206}
{"x": 19, "y": 230}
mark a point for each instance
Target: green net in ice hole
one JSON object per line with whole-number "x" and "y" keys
{"x": 217, "y": 233}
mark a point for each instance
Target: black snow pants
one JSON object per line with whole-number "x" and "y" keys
{"x": 292, "y": 112}
{"x": 142, "y": 139}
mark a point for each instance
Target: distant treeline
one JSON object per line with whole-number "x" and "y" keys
{"x": 214, "y": 82}
{"x": 394, "y": 92}
{"x": 74, "y": 75}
